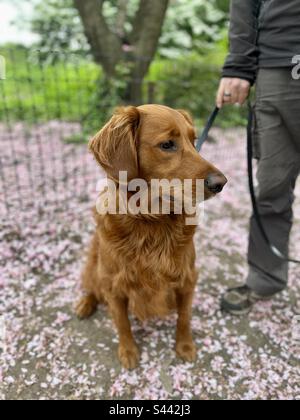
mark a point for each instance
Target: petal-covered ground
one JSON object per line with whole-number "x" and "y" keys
{"x": 46, "y": 353}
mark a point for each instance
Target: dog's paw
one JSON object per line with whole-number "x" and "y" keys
{"x": 187, "y": 351}
{"x": 129, "y": 356}
{"x": 86, "y": 306}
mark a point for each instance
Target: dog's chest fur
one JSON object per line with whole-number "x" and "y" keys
{"x": 146, "y": 260}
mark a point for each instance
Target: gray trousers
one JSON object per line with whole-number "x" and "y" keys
{"x": 276, "y": 134}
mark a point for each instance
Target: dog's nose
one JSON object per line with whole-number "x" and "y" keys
{"x": 215, "y": 182}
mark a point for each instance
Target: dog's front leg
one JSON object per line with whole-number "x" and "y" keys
{"x": 128, "y": 350}
{"x": 185, "y": 346}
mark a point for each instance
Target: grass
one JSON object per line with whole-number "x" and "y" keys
{"x": 69, "y": 88}
{"x": 35, "y": 91}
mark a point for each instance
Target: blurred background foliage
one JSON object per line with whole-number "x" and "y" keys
{"x": 184, "y": 73}
{"x": 190, "y": 25}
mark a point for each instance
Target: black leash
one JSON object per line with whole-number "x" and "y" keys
{"x": 275, "y": 251}
{"x": 202, "y": 139}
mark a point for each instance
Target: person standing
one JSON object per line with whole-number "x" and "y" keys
{"x": 264, "y": 49}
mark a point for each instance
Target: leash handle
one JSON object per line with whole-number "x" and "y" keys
{"x": 202, "y": 139}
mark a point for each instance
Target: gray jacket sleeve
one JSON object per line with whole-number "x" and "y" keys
{"x": 242, "y": 60}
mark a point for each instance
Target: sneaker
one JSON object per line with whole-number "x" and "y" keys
{"x": 240, "y": 300}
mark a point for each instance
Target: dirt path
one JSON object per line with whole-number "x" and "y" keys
{"x": 48, "y": 354}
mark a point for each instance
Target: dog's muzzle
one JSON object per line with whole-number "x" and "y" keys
{"x": 215, "y": 183}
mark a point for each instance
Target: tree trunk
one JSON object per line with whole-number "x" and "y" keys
{"x": 134, "y": 92}
{"x": 147, "y": 28}
{"x": 145, "y": 36}
{"x": 107, "y": 45}
{"x": 121, "y": 17}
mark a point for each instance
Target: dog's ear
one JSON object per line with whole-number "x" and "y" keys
{"x": 115, "y": 146}
{"x": 187, "y": 116}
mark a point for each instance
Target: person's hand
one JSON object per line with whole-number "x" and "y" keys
{"x": 232, "y": 91}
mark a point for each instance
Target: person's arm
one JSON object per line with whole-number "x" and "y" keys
{"x": 240, "y": 68}
{"x": 243, "y": 57}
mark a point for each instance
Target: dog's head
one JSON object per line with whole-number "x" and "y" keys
{"x": 154, "y": 142}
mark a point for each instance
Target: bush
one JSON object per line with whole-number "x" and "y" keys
{"x": 191, "y": 83}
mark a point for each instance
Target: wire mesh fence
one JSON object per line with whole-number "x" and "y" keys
{"x": 41, "y": 117}
{"x": 50, "y": 104}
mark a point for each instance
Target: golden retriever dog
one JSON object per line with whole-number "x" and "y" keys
{"x": 138, "y": 263}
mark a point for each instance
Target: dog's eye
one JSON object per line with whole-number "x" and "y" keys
{"x": 169, "y": 146}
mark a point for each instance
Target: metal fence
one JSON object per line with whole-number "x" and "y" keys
{"x": 46, "y": 104}
{"x": 50, "y": 103}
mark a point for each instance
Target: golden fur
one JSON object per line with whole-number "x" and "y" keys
{"x": 144, "y": 264}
